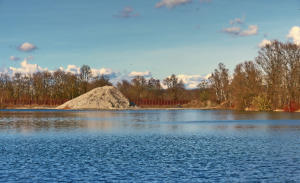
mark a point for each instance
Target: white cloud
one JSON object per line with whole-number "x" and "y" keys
{"x": 14, "y": 58}
{"x": 294, "y": 34}
{"x": 264, "y": 42}
{"x": 95, "y": 72}
{"x": 127, "y": 12}
{"x": 135, "y": 73}
{"x": 252, "y": 30}
{"x": 191, "y": 81}
{"x": 27, "y": 47}
{"x": 118, "y": 77}
{"x": 171, "y": 3}
{"x": 237, "y": 31}
{"x": 238, "y": 28}
{"x": 104, "y": 71}
{"x": 232, "y": 30}
{"x": 26, "y": 68}
{"x": 72, "y": 69}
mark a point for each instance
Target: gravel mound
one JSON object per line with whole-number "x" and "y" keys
{"x": 107, "y": 97}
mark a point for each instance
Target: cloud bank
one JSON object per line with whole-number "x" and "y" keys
{"x": 191, "y": 81}
{"x": 145, "y": 74}
{"x": 95, "y": 72}
{"x": 26, "y": 68}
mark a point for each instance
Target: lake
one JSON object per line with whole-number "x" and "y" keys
{"x": 149, "y": 146}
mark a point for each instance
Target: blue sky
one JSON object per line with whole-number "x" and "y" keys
{"x": 187, "y": 38}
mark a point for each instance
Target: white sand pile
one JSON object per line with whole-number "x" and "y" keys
{"x": 107, "y": 97}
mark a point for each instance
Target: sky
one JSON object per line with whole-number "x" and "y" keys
{"x": 125, "y": 38}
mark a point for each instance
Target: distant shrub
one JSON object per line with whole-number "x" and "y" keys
{"x": 291, "y": 107}
{"x": 261, "y": 103}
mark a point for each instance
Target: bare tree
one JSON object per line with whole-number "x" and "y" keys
{"x": 245, "y": 85}
{"x": 219, "y": 81}
{"x": 175, "y": 87}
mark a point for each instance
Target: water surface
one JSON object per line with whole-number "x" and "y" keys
{"x": 149, "y": 146}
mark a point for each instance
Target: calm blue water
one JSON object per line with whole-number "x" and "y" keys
{"x": 149, "y": 146}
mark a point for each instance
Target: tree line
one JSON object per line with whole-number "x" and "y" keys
{"x": 271, "y": 81}
{"x": 47, "y": 88}
{"x": 55, "y": 88}
{"x": 141, "y": 88}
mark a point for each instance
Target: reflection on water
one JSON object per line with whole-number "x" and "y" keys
{"x": 149, "y": 146}
{"x": 145, "y": 120}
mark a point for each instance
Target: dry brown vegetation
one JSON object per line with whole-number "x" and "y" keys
{"x": 272, "y": 81}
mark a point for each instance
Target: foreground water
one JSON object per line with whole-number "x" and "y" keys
{"x": 149, "y": 146}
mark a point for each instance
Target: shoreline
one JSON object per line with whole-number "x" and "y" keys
{"x": 133, "y": 108}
